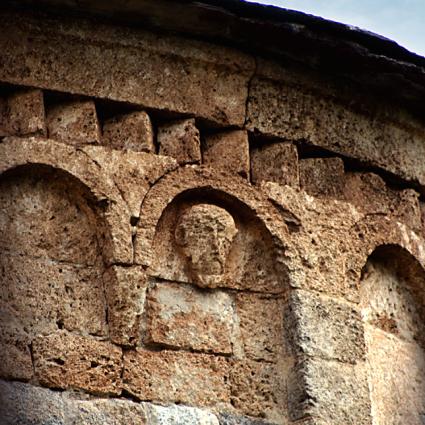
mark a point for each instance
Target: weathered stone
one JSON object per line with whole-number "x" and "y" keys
{"x": 25, "y": 113}
{"x": 24, "y": 404}
{"x": 180, "y": 140}
{"x": 105, "y": 412}
{"x": 322, "y": 241}
{"x": 125, "y": 296}
{"x": 16, "y": 361}
{"x": 178, "y": 377}
{"x": 74, "y": 123}
{"x": 63, "y": 360}
{"x": 229, "y": 419}
{"x": 76, "y": 188}
{"x": 279, "y": 106}
{"x": 334, "y": 392}
{"x": 322, "y": 176}
{"x": 261, "y": 325}
{"x": 132, "y": 131}
{"x": 228, "y": 151}
{"x": 324, "y": 327}
{"x": 205, "y": 233}
{"x": 369, "y": 193}
{"x": 275, "y": 162}
{"x": 179, "y": 415}
{"x": 259, "y": 389}
{"x": 132, "y": 172}
{"x": 129, "y": 65}
{"x": 39, "y": 296}
{"x": 46, "y": 215}
{"x": 185, "y": 317}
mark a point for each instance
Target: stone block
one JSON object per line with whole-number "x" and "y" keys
{"x": 63, "y": 360}
{"x": 180, "y": 140}
{"x": 179, "y": 415}
{"x": 24, "y": 404}
{"x": 275, "y": 162}
{"x": 322, "y": 177}
{"x": 178, "y": 377}
{"x": 74, "y": 123}
{"x": 229, "y": 419}
{"x": 261, "y": 326}
{"x": 279, "y": 106}
{"x": 185, "y": 317}
{"x": 125, "y": 289}
{"x": 126, "y": 64}
{"x": 16, "y": 361}
{"x": 131, "y": 131}
{"x": 329, "y": 391}
{"x": 25, "y": 113}
{"x": 371, "y": 195}
{"x": 40, "y": 296}
{"x": 320, "y": 326}
{"x": 228, "y": 151}
{"x": 259, "y": 389}
{"x": 105, "y": 412}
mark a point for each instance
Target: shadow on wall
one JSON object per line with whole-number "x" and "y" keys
{"x": 50, "y": 266}
{"x": 393, "y": 308}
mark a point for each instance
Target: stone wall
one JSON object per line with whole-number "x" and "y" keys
{"x": 193, "y": 235}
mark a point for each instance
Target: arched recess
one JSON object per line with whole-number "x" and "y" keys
{"x": 51, "y": 262}
{"x": 191, "y": 220}
{"x": 39, "y": 152}
{"x": 392, "y": 294}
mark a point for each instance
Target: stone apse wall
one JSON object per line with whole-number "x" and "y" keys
{"x": 193, "y": 235}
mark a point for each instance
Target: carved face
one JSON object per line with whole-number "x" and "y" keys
{"x": 205, "y": 232}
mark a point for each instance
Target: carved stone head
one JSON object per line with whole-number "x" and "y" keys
{"x": 205, "y": 233}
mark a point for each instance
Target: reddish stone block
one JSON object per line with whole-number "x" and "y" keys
{"x": 276, "y": 162}
{"x": 180, "y": 139}
{"x": 63, "y": 360}
{"x": 125, "y": 295}
{"x": 23, "y": 114}
{"x": 182, "y": 316}
{"x": 228, "y": 151}
{"x": 74, "y": 123}
{"x": 131, "y": 132}
{"x": 178, "y": 377}
{"x": 322, "y": 176}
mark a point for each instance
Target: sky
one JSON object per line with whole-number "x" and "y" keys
{"x": 400, "y": 20}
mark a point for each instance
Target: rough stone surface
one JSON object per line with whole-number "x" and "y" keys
{"x": 63, "y": 360}
{"x": 24, "y": 113}
{"x": 180, "y": 140}
{"x": 74, "y": 123}
{"x": 185, "y": 317}
{"x": 279, "y": 106}
{"x": 322, "y": 176}
{"x": 259, "y": 389}
{"x": 229, "y": 419}
{"x": 340, "y": 335}
{"x": 180, "y": 415}
{"x": 333, "y": 392}
{"x": 261, "y": 326}
{"x": 125, "y": 289}
{"x": 179, "y": 377}
{"x": 169, "y": 73}
{"x": 131, "y": 131}
{"x": 205, "y": 233}
{"x": 228, "y": 151}
{"x": 24, "y": 404}
{"x": 369, "y": 193}
{"x": 275, "y": 162}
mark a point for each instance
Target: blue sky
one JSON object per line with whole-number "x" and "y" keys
{"x": 400, "y": 20}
